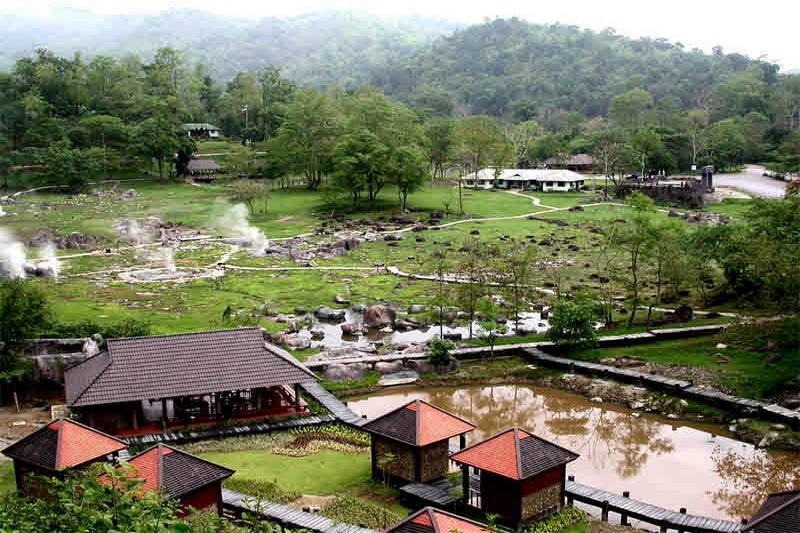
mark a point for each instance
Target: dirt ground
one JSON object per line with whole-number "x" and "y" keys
{"x": 600, "y": 527}
{"x": 15, "y": 425}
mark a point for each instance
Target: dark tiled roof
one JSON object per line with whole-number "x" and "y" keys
{"x": 516, "y": 454}
{"x": 418, "y": 423}
{"x": 174, "y": 472}
{"x": 63, "y": 444}
{"x": 168, "y": 366}
{"x": 780, "y": 513}
{"x": 202, "y": 164}
{"x": 430, "y": 520}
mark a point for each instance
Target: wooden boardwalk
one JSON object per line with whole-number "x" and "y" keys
{"x": 333, "y": 404}
{"x": 436, "y": 494}
{"x": 628, "y": 508}
{"x": 238, "y": 503}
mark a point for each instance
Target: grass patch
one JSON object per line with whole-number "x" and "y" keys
{"x": 352, "y": 510}
{"x": 261, "y": 489}
{"x": 8, "y": 482}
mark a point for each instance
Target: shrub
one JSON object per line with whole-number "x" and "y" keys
{"x": 572, "y": 324}
{"x": 439, "y": 351}
{"x": 356, "y": 511}
{"x": 568, "y": 516}
{"x": 262, "y": 489}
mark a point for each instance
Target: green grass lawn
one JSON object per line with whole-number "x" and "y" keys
{"x": 749, "y": 373}
{"x": 321, "y": 474}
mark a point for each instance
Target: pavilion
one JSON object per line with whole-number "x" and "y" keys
{"x": 521, "y": 476}
{"x": 146, "y": 385}
{"x": 56, "y": 448}
{"x": 416, "y": 437}
{"x": 195, "y": 483}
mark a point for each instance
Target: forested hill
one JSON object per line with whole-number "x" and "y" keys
{"x": 345, "y": 49}
{"x": 509, "y": 67}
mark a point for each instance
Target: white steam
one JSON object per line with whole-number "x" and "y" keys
{"x": 234, "y": 223}
{"x": 48, "y": 262}
{"x": 12, "y": 256}
{"x": 166, "y": 255}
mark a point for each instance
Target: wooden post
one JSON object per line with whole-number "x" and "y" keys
{"x": 570, "y": 499}
{"x": 135, "y": 417}
{"x": 604, "y": 511}
{"x": 465, "y": 483}
{"x": 462, "y": 441}
{"x": 164, "y": 414}
{"x": 623, "y": 520}
{"x": 297, "y": 396}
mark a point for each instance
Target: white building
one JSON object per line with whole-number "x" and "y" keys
{"x": 525, "y": 179}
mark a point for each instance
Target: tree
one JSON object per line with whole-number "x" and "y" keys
{"x": 726, "y": 145}
{"x": 439, "y": 141}
{"x": 253, "y": 193}
{"x": 490, "y": 327}
{"x": 515, "y": 277}
{"x": 157, "y": 138}
{"x": 608, "y": 154}
{"x": 572, "y": 324}
{"x": 360, "y": 163}
{"x": 24, "y": 313}
{"x": 479, "y": 140}
{"x": 472, "y": 270}
{"x": 633, "y": 238}
{"x": 628, "y": 109}
{"x": 407, "y": 170}
{"x": 71, "y": 167}
{"x": 439, "y": 352}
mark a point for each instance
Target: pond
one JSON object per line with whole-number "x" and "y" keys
{"x": 697, "y": 466}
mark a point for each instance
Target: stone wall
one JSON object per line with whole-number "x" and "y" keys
{"x": 434, "y": 461}
{"x": 402, "y": 466}
{"x": 541, "y": 503}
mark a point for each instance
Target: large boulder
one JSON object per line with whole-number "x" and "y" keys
{"x": 296, "y": 342}
{"x": 388, "y": 367}
{"x": 683, "y": 313}
{"x": 379, "y": 316}
{"x": 342, "y": 372}
{"x": 331, "y": 315}
{"x": 352, "y": 328}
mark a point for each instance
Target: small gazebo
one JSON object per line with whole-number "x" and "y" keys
{"x": 412, "y": 443}
{"x": 56, "y": 448}
{"x": 521, "y": 476}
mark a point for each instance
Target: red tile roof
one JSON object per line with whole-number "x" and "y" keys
{"x": 419, "y": 423}
{"x": 173, "y": 472}
{"x": 430, "y": 520}
{"x": 516, "y": 454}
{"x": 62, "y": 444}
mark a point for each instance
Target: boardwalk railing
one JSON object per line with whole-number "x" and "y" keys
{"x": 628, "y": 508}
{"x": 236, "y": 503}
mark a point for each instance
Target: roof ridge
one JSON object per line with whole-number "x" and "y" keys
{"x": 99, "y": 374}
{"x": 59, "y": 435}
{"x": 436, "y": 510}
{"x": 163, "y": 335}
{"x": 448, "y": 413}
{"x": 551, "y": 443}
{"x": 471, "y": 446}
{"x": 518, "y": 452}
{"x": 418, "y": 424}
{"x": 286, "y": 356}
{"x": 779, "y": 508}
{"x": 432, "y": 517}
{"x": 11, "y": 447}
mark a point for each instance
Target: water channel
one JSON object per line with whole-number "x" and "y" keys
{"x": 671, "y": 464}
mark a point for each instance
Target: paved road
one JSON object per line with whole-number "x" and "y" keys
{"x": 751, "y": 180}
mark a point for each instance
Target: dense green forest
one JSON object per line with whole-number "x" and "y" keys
{"x": 318, "y": 49}
{"x": 504, "y": 93}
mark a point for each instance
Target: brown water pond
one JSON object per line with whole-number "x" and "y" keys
{"x": 697, "y": 466}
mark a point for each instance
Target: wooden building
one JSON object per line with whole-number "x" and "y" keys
{"x": 576, "y": 163}
{"x": 416, "y": 437}
{"x": 780, "y": 513}
{"x": 195, "y": 483}
{"x": 522, "y": 476}
{"x": 145, "y": 385}
{"x": 431, "y": 520}
{"x": 59, "y": 446}
{"x": 200, "y": 130}
{"x": 205, "y": 170}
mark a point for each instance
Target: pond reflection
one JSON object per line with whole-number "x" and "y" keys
{"x": 697, "y": 466}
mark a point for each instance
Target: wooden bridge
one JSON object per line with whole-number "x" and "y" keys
{"x": 333, "y": 404}
{"x": 235, "y": 503}
{"x": 628, "y": 508}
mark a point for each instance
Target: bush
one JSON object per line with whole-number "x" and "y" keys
{"x": 439, "y": 352}
{"x": 355, "y": 511}
{"x": 568, "y": 516}
{"x": 262, "y": 489}
{"x": 572, "y": 324}
{"x": 86, "y": 328}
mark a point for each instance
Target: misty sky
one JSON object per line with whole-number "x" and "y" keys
{"x": 765, "y": 28}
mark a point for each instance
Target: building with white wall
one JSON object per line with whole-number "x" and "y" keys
{"x": 525, "y": 179}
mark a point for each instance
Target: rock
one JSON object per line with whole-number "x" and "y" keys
{"x": 379, "y": 316}
{"x": 391, "y": 237}
{"x": 416, "y": 308}
{"x": 317, "y": 334}
{"x": 778, "y": 427}
{"x": 420, "y": 239}
{"x": 300, "y": 311}
{"x": 637, "y": 405}
{"x": 341, "y": 372}
{"x": 296, "y": 342}
{"x": 341, "y": 300}
{"x": 683, "y": 313}
{"x": 422, "y": 367}
{"x": 576, "y": 208}
{"x": 387, "y": 329}
{"x": 388, "y": 368}
{"x": 453, "y": 335}
{"x": 359, "y": 308}
{"x": 353, "y": 328}
{"x": 636, "y": 415}
{"x": 721, "y": 346}
{"x": 672, "y": 416}
{"x": 475, "y": 232}
{"x": 405, "y": 325}
{"x": 596, "y": 399}
{"x": 333, "y": 315}
{"x": 768, "y": 439}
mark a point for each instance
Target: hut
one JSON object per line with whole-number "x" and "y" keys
{"x": 201, "y": 130}
{"x": 147, "y": 385}
{"x": 576, "y": 163}
{"x": 527, "y": 179}
{"x": 430, "y": 520}
{"x": 780, "y": 513}
{"x": 520, "y": 477}
{"x": 54, "y": 449}
{"x": 205, "y": 170}
{"x": 195, "y": 483}
{"x": 412, "y": 443}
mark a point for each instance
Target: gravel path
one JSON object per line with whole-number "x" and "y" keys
{"x": 753, "y": 181}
